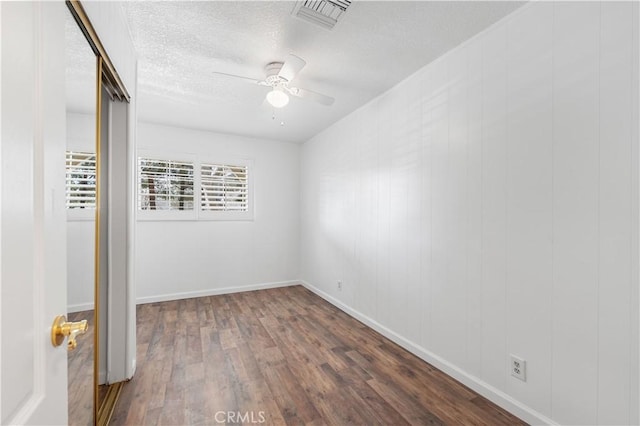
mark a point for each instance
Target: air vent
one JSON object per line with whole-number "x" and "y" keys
{"x": 325, "y": 13}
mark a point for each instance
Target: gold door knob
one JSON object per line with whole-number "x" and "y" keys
{"x": 61, "y": 329}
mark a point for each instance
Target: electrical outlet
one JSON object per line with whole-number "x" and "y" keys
{"x": 518, "y": 368}
{"x": 340, "y": 285}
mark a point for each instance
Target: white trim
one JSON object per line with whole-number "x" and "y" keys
{"x": 132, "y": 170}
{"x": 79, "y": 307}
{"x": 215, "y": 292}
{"x": 1, "y": 181}
{"x": 40, "y": 377}
{"x": 106, "y": 371}
{"x": 634, "y": 415}
{"x": 494, "y": 395}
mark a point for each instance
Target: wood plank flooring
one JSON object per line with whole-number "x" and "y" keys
{"x": 283, "y": 356}
{"x": 80, "y": 374}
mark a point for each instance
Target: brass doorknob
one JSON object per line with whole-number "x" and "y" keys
{"x": 61, "y": 329}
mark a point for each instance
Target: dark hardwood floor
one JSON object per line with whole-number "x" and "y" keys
{"x": 283, "y": 356}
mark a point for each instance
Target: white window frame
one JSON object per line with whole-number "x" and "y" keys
{"x": 160, "y": 215}
{"x": 227, "y": 215}
{"x": 77, "y": 215}
{"x": 197, "y": 213}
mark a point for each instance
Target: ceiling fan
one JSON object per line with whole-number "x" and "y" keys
{"x": 278, "y": 76}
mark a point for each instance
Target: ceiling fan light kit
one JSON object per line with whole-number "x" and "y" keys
{"x": 277, "y": 98}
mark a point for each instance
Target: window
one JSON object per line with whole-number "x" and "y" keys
{"x": 182, "y": 187}
{"x": 165, "y": 184}
{"x": 80, "y": 180}
{"x": 224, "y": 188}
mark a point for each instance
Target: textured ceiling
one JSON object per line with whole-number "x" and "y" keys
{"x": 374, "y": 46}
{"x": 80, "y": 70}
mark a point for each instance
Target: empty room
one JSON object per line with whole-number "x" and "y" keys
{"x": 322, "y": 212}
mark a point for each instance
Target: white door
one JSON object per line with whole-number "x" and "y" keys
{"x": 33, "y": 376}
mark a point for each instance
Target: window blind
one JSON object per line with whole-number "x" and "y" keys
{"x": 224, "y": 188}
{"x": 165, "y": 184}
{"x": 80, "y": 180}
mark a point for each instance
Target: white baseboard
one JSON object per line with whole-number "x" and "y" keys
{"x": 133, "y": 369}
{"x": 80, "y": 307}
{"x": 214, "y": 292}
{"x": 491, "y": 393}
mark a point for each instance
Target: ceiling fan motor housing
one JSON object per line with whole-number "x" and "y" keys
{"x": 271, "y": 70}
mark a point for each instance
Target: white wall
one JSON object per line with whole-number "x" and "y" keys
{"x": 176, "y": 259}
{"x": 488, "y": 205}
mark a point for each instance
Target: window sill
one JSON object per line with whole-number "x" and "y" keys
{"x": 162, "y": 216}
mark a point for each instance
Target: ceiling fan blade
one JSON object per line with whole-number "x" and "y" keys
{"x": 291, "y": 67}
{"x": 253, "y": 80}
{"x": 311, "y": 95}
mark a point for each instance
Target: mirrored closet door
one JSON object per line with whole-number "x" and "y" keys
{"x": 81, "y": 119}
{"x": 92, "y": 90}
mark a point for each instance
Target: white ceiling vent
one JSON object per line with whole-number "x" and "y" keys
{"x": 325, "y": 13}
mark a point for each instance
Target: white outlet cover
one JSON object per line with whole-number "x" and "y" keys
{"x": 518, "y": 367}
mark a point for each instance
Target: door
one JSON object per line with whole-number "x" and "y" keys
{"x": 33, "y": 379}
